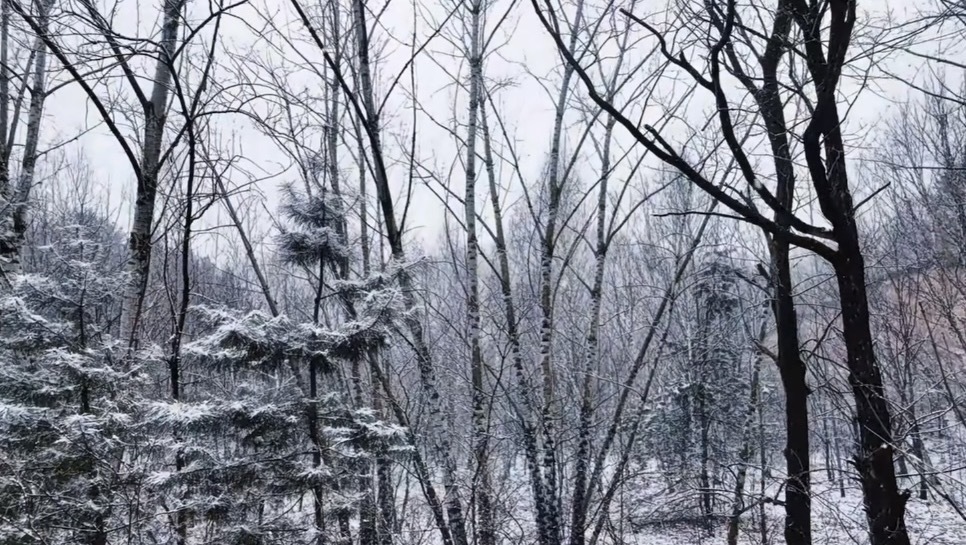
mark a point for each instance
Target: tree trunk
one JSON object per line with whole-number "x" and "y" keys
{"x": 918, "y": 447}
{"x": 798, "y": 509}
{"x": 9, "y": 262}
{"x": 482, "y": 488}
{"x": 421, "y": 470}
{"x": 14, "y": 194}
{"x": 744, "y": 459}
{"x": 706, "y": 494}
{"x": 884, "y": 503}
{"x": 581, "y": 491}
{"x": 526, "y": 411}
{"x": 791, "y": 368}
{"x": 919, "y": 451}
{"x": 763, "y": 459}
{"x": 826, "y": 159}
{"x": 386, "y": 522}
{"x": 827, "y": 441}
{"x": 155, "y": 112}
{"x": 437, "y": 418}
{"x": 548, "y": 240}
{"x": 38, "y": 94}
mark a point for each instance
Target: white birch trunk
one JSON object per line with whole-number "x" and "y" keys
{"x": 8, "y": 262}
{"x": 25, "y": 180}
{"x": 485, "y": 531}
{"x": 526, "y": 411}
{"x": 547, "y": 254}
{"x": 747, "y": 450}
{"x": 581, "y": 494}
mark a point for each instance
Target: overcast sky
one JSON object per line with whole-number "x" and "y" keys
{"x": 526, "y": 58}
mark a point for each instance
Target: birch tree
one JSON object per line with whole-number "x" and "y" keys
{"x": 15, "y": 191}
{"x": 486, "y": 532}
{"x": 150, "y": 159}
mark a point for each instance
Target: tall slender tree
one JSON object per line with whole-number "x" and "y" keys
{"x": 825, "y": 56}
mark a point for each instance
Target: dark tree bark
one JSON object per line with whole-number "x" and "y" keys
{"x": 792, "y": 371}
{"x": 884, "y": 503}
{"x": 825, "y": 48}
{"x": 790, "y": 365}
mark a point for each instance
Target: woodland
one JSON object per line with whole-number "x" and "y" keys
{"x": 482, "y": 272}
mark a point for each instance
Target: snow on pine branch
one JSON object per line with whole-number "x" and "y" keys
{"x": 263, "y": 341}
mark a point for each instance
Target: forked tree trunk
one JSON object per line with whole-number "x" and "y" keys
{"x": 155, "y": 113}
{"x": 582, "y": 487}
{"x": 791, "y": 367}
{"x": 527, "y": 411}
{"x": 581, "y": 492}
{"x": 548, "y": 240}
{"x": 825, "y": 155}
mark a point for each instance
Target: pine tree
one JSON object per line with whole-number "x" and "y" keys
{"x": 68, "y": 411}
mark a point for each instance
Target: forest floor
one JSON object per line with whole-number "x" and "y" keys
{"x": 836, "y": 520}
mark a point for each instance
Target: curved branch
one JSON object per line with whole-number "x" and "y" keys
{"x": 668, "y": 156}
{"x": 72, "y": 70}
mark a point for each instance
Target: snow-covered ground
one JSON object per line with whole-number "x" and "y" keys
{"x": 835, "y": 520}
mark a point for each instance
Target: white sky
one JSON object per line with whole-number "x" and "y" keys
{"x": 525, "y": 106}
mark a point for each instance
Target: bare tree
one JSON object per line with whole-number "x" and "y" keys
{"x": 149, "y": 163}
{"x": 825, "y": 154}
{"x": 15, "y": 195}
{"x": 486, "y": 532}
